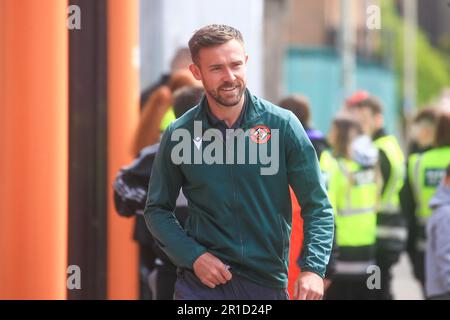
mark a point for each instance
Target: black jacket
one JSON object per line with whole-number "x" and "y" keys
{"x": 130, "y": 194}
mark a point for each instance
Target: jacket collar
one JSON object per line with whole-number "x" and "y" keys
{"x": 379, "y": 134}
{"x": 252, "y": 112}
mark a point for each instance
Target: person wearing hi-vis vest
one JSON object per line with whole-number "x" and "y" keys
{"x": 352, "y": 190}
{"x": 425, "y": 172}
{"x": 391, "y": 223}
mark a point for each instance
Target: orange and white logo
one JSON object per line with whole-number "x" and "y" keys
{"x": 260, "y": 134}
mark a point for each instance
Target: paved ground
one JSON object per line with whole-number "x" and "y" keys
{"x": 405, "y": 287}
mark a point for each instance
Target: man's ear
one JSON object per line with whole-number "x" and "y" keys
{"x": 246, "y": 58}
{"x": 195, "y": 71}
{"x": 379, "y": 120}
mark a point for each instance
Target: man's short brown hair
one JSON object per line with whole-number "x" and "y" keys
{"x": 442, "y": 137}
{"x": 345, "y": 126}
{"x": 427, "y": 114}
{"x": 210, "y": 36}
{"x": 371, "y": 102}
{"x": 185, "y": 98}
{"x": 299, "y": 105}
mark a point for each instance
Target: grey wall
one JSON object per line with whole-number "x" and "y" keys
{"x": 166, "y": 25}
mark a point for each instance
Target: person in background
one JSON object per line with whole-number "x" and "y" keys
{"x": 154, "y": 109}
{"x": 181, "y": 60}
{"x": 130, "y": 193}
{"x": 437, "y": 256}
{"x": 391, "y": 224}
{"x": 425, "y": 172}
{"x": 154, "y": 118}
{"x": 422, "y": 135}
{"x": 423, "y": 130}
{"x": 353, "y": 190}
{"x": 299, "y": 105}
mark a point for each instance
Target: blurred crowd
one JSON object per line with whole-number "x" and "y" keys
{"x": 386, "y": 201}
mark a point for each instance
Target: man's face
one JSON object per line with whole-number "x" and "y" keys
{"x": 222, "y": 70}
{"x": 370, "y": 122}
{"x": 423, "y": 133}
{"x": 332, "y": 136}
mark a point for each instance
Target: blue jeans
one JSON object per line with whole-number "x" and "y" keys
{"x": 189, "y": 287}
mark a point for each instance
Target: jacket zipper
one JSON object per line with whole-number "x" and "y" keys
{"x": 236, "y": 207}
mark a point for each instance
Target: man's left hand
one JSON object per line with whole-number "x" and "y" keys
{"x": 308, "y": 286}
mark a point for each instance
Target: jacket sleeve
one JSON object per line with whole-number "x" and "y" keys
{"x": 165, "y": 184}
{"x": 130, "y": 190}
{"x": 442, "y": 240}
{"x": 307, "y": 182}
{"x": 128, "y": 199}
{"x": 331, "y": 268}
{"x": 332, "y": 189}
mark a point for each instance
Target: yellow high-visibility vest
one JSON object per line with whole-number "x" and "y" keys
{"x": 426, "y": 171}
{"x": 390, "y": 200}
{"x": 354, "y": 199}
{"x": 327, "y": 163}
{"x": 167, "y": 119}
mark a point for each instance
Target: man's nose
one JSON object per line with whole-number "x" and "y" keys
{"x": 229, "y": 75}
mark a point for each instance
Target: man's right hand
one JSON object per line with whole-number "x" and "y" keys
{"x": 211, "y": 271}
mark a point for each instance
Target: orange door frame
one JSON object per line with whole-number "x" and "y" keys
{"x": 123, "y": 112}
{"x": 34, "y": 149}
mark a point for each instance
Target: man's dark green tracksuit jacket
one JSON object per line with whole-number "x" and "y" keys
{"x": 236, "y": 213}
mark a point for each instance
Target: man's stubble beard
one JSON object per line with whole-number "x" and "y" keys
{"x": 215, "y": 94}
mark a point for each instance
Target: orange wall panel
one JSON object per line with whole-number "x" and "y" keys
{"x": 123, "y": 112}
{"x": 34, "y": 149}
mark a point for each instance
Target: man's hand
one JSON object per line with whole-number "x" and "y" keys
{"x": 211, "y": 271}
{"x": 308, "y": 286}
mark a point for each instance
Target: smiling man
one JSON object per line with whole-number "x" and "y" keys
{"x": 235, "y": 244}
